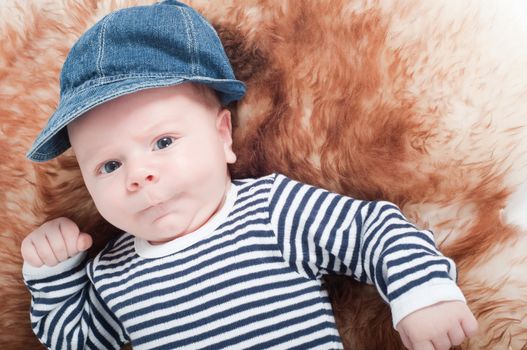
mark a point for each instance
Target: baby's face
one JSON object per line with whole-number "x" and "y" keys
{"x": 155, "y": 161}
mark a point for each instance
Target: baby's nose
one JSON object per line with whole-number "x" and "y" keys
{"x": 140, "y": 178}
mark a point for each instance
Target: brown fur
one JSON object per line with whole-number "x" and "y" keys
{"x": 341, "y": 96}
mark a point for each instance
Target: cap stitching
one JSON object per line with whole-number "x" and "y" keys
{"x": 190, "y": 43}
{"x": 195, "y": 56}
{"x": 60, "y": 146}
{"x": 113, "y": 78}
{"x": 102, "y": 36}
{"x": 107, "y": 80}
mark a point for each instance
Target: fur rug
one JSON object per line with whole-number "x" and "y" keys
{"x": 423, "y": 103}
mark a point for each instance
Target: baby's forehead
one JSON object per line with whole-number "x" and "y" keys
{"x": 136, "y": 112}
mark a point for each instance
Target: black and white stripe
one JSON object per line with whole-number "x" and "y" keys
{"x": 253, "y": 281}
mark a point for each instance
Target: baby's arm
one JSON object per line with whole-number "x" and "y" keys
{"x": 372, "y": 241}
{"x": 66, "y": 311}
{"x": 439, "y": 326}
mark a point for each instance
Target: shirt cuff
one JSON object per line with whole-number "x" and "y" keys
{"x": 424, "y": 296}
{"x": 32, "y": 272}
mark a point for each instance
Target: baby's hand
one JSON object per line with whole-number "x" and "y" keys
{"x": 53, "y": 242}
{"x": 438, "y": 327}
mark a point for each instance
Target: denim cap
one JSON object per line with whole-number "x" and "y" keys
{"x": 134, "y": 49}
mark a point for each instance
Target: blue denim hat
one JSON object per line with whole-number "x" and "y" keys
{"x": 134, "y": 49}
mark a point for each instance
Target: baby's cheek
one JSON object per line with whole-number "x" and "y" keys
{"x": 110, "y": 208}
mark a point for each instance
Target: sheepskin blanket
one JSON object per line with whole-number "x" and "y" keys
{"x": 423, "y": 103}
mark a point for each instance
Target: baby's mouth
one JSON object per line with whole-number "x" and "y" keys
{"x": 151, "y": 203}
{"x": 158, "y": 209}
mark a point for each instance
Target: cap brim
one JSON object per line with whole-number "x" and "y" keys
{"x": 53, "y": 139}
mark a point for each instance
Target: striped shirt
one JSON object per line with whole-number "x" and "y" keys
{"x": 251, "y": 277}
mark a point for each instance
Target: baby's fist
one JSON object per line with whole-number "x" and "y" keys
{"x": 53, "y": 242}
{"x": 437, "y": 327}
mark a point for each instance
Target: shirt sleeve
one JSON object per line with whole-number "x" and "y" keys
{"x": 66, "y": 311}
{"x": 320, "y": 232}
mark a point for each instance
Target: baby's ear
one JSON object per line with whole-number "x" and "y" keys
{"x": 224, "y": 127}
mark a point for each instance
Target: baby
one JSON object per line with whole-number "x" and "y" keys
{"x": 205, "y": 261}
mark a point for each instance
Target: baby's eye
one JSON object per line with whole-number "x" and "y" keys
{"x": 163, "y": 142}
{"x": 109, "y": 167}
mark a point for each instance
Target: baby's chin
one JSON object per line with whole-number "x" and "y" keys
{"x": 162, "y": 231}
